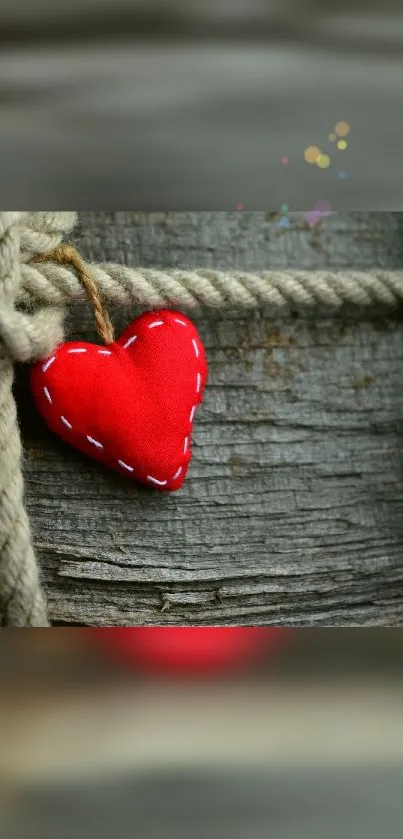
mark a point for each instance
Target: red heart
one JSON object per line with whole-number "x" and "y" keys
{"x": 130, "y": 404}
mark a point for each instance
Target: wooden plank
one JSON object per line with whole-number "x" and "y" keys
{"x": 292, "y": 509}
{"x": 192, "y": 123}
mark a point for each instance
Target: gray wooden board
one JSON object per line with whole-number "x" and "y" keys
{"x": 292, "y": 508}
{"x": 191, "y": 123}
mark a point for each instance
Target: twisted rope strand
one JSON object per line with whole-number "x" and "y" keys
{"x": 67, "y": 255}
{"x": 21, "y": 601}
{"x": 22, "y": 337}
{"x": 53, "y": 283}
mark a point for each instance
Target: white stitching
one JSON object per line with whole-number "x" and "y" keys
{"x": 48, "y": 363}
{"x": 94, "y": 442}
{"x": 155, "y": 481}
{"x": 130, "y": 341}
{"x": 108, "y": 352}
{"x": 125, "y": 466}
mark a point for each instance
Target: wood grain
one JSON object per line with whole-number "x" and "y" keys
{"x": 292, "y": 509}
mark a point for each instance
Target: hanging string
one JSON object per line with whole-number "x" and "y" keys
{"x": 66, "y": 254}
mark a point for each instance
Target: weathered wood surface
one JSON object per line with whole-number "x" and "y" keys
{"x": 292, "y": 509}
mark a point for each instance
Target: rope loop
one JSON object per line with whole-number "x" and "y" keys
{"x": 66, "y": 254}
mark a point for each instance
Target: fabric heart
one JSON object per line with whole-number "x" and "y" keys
{"x": 130, "y": 404}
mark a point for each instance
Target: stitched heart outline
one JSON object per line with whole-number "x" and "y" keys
{"x": 131, "y": 404}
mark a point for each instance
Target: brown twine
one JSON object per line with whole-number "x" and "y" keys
{"x": 66, "y": 254}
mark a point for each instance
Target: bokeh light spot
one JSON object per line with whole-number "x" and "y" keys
{"x": 284, "y": 208}
{"x": 311, "y": 154}
{"x": 342, "y": 145}
{"x": 342, "y": 129}
{"x": 313, "y": 217}
{"x": 332, "y": 137}
{"x": 323, "y": 161}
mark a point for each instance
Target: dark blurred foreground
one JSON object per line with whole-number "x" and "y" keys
{"x": 316, "y": 20}
{"x": 309, "y": 743}
{"x": 149, "y": 105}
{"x": 293, "y": 804}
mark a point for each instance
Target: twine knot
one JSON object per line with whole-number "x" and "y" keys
{"x": 27, "y": 336}
{"x": 67, "y": 255}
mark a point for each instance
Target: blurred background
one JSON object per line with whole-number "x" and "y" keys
{"x": 304, "y": 740}
{"x": 175, "y": 104}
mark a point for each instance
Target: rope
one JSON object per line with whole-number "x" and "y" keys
{"x": 54, "y": 283}
{"x": 38, "y": 271}
{"x": 67, "y": 255}
{"x": 22, "y": 337}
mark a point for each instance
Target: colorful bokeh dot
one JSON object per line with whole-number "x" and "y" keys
{"x": 313, "y": 217}
{"x": 323, "y": 161}
{"x": 284, "y": 208}
{"x": 311, "y": 154}
{"x": 342, "y": 129}
{"x": 332, "y": 137}
{"x": 284, "y": 222}
{"x": 342, "y": 145}
{"x": 323, "y": 207}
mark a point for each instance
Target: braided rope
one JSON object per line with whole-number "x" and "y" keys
{"x": 55, "y": 284}
{"x": 22, "y": 337}
{"x": 67, "y": 255}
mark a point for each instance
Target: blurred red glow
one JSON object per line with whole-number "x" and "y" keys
{"x": 189, "y": 650}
